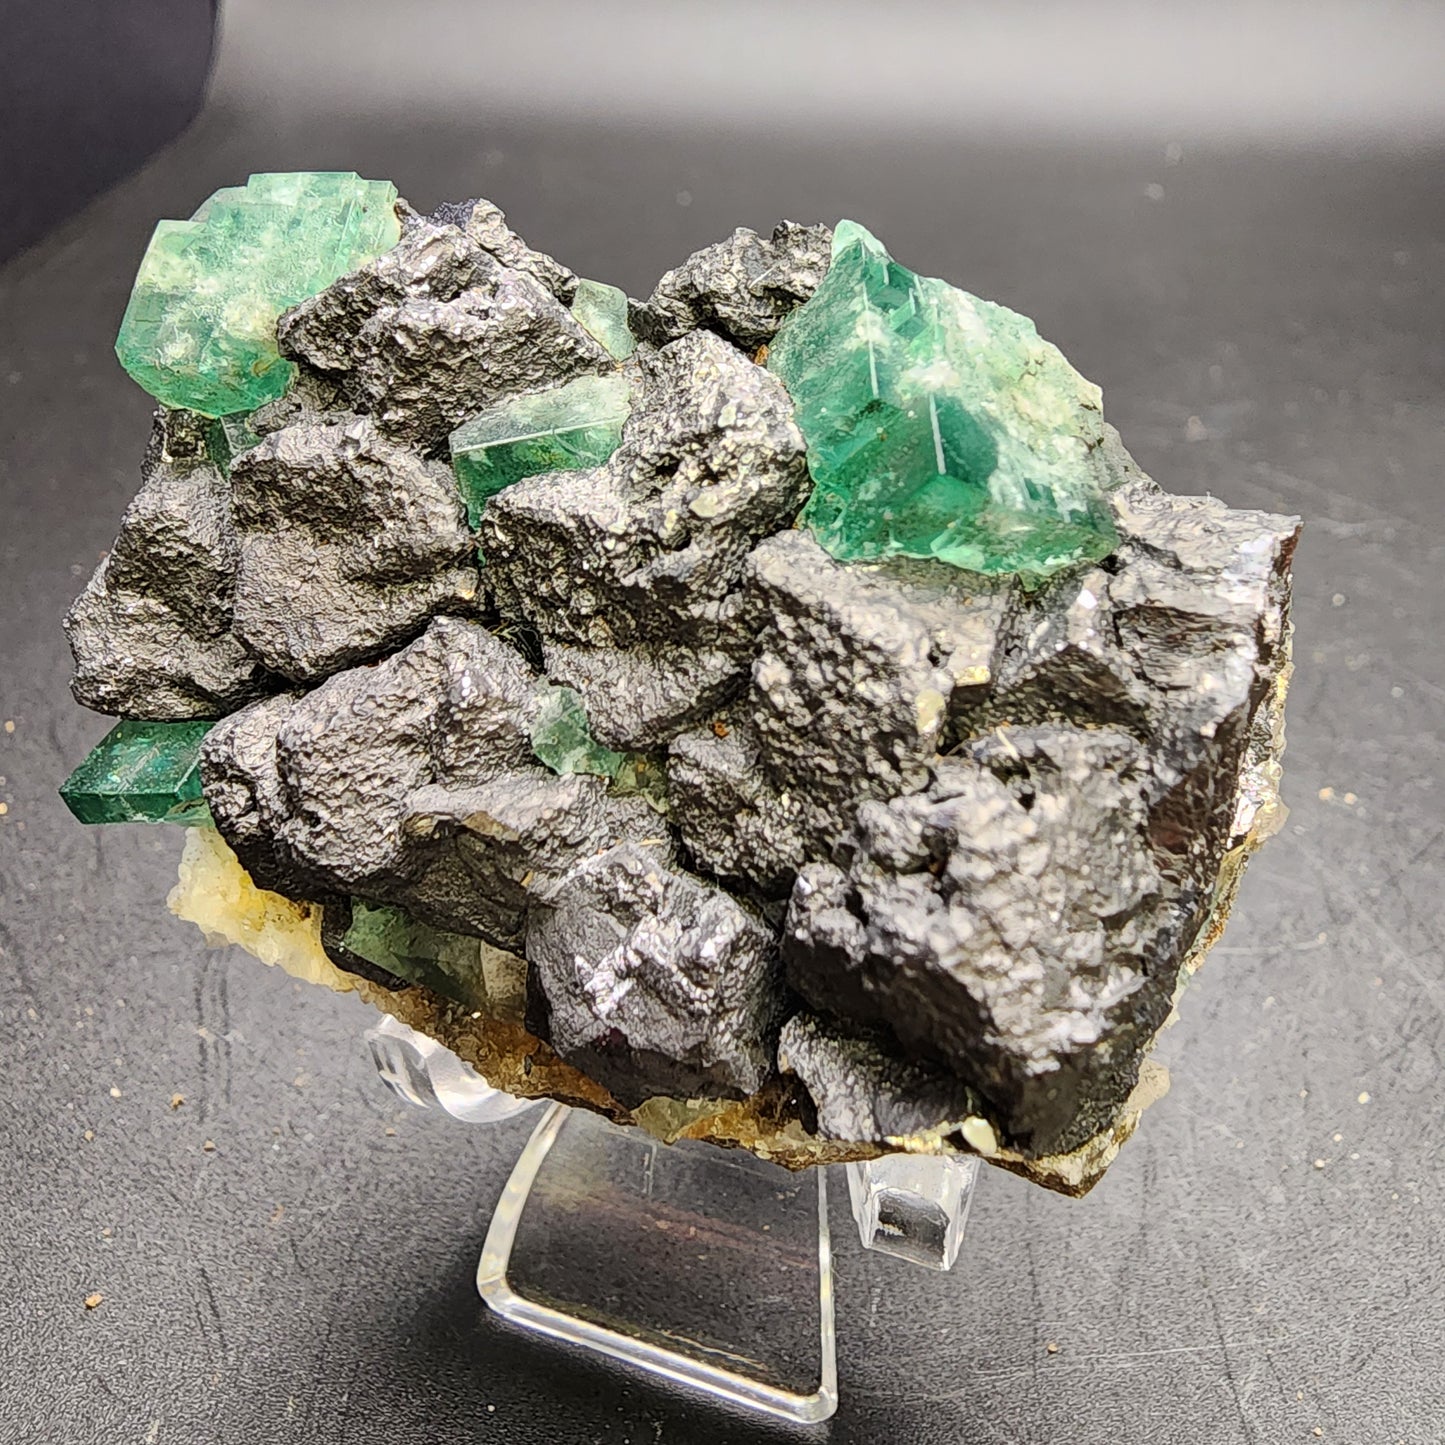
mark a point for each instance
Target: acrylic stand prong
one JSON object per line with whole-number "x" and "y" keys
{"x": 736, "y": 1298}
{"x": 699, "y": 1265}
{"x": 913, "y": 1206}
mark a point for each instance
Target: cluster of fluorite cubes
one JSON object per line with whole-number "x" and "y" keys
{"x": 938, "y": 425}
{"x": 200, "y": 329}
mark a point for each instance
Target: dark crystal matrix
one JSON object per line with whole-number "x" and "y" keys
{"x": 710, "y": 735}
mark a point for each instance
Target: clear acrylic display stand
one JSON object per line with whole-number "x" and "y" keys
{"x": 704, "y": 1266}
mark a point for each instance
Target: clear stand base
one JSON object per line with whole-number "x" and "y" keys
{"x": 700, "y": 1265}
{"x": 736, "y": 1297}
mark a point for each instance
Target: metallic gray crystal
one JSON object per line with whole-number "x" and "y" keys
{"x": 349, "y": 544}
{"x": 650, "y": 546}
{"x": 742, "y": 288}
{"x": 654, "y": 982}
{"x": 153, "y": 633}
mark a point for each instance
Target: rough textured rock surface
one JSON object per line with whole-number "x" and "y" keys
{"x": 485, "y": 224}
{"x": 153, "y": 633}
{"x": 1008, "y": 922}
{"x": 1180, "y": 640}
{"x": 742, "y": 288}
{"x": 855, "y": 672}
{"x": 641, "y": 697}
{"x": 650, "y": 546}
{"x": 436, "y": 330}
{"x": 653, "y": 982}
{"x": 864, "y": 1090}
{"x": 411, "y": 782}
{"x": 348, "y": 545}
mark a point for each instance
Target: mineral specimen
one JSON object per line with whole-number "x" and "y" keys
{"x": 140, "y": 772}
{"x": 200, "y": 329}
{"x": 839, "y": 746}
{"x": 939, "y": 425}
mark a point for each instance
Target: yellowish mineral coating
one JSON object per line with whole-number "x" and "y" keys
{"x": 216, "y": 894}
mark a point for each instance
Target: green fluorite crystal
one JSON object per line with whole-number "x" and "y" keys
{"x": 450, "y": 964}
{"x": 228, "y": 437}
{"x": 200, "y": 329}
{"x": 562, "y": 738}
{"x": 141, "y": 772}
{"x": 567, "y": 429}
{"x": 454, "y": 965}
{"x": 940, "y": 425}
{"x": 601, "y": 310}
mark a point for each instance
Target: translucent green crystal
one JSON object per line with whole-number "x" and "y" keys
{"x": 601, "y": 310}
{"x": 141, "y": 772}
{"x": 450, "y": 964}
{"x": 200, "y": 329}
{"x": 562, "y": 738}
{"x": 940, "y": 425}
{"x": 567, "y": 429}
{"x": 229, "y": 436}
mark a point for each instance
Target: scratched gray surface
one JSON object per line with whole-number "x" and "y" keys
{"x": 1264, "y": 328}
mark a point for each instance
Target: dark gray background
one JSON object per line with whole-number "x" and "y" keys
{"x": 87, "y": 93}
{"x": 1258, "y": 291}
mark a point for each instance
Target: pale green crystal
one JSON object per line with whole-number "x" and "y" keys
{"x": 200, "y": 329}
{"x": 450, "y": 964}
{"x": 601, "y": 310}
{"x": 569, "y": 428}
{"x": 141, "y": 772}
{"x": 940, "y": 425}
{"x": 562, "y": 737}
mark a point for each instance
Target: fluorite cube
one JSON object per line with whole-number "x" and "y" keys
{"x": 141, "y": 772}
{"x": 450, "y": 964}
{"x": 601, "y": 310}
{"x": 940, "y": 425}
{"x": 200, "y": 329}
{"x": 569, "y": 428}
{"x": 562, "y": 738}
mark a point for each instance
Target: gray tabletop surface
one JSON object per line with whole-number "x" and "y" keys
{"x": 1266, "y": 1261}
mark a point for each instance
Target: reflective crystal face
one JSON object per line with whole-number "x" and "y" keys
{"x": 562, "y": 739}
{"x": 141, "y": 772}
{"x": 567, "y": 429}
{"x": 602, "y": 310}
{"x": 940, "y": 425}
{"x": 200, "y": 329}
